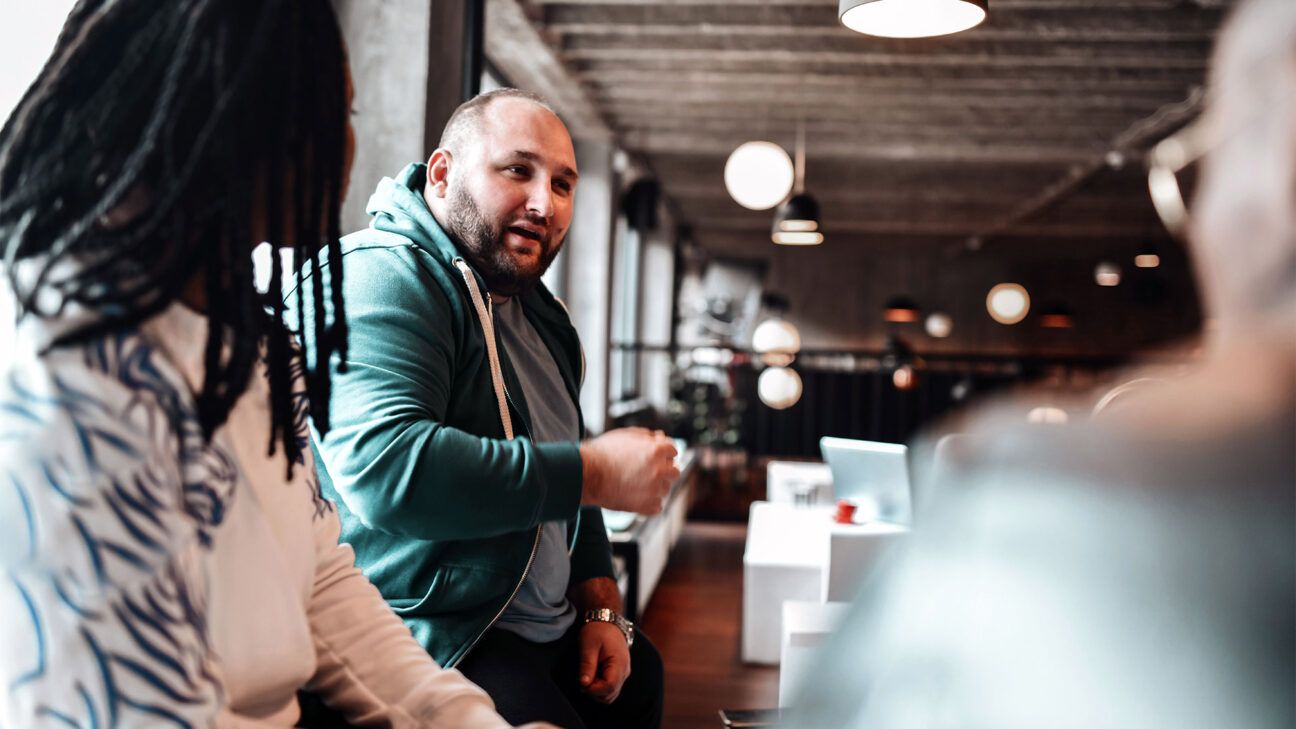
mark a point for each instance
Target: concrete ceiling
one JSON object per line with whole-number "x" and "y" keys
{"x": 1006, "y": 129}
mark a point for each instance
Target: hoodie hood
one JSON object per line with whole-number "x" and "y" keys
{"x": 398, "y": 207}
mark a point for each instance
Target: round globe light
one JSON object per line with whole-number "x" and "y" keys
{"x": 759, "y": 175}
{"x": 939, "y": 325}
{"x": 776, "y": 335}
{"x": 904, "y": 378}
{"x": 1008, "y": 303}
{"x": 779, "y": 387}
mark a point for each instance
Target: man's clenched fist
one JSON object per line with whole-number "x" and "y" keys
{"x": 628, "y": 469}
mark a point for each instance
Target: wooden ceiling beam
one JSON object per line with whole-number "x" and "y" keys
{"x": 1008, "y": 82}
{"x": 763, "y": 120}
{"x": 917, "y": 76}
{"x": 864, "y": 102}
{"x": 952, "y": 151}
{"x": 970, "y": 46}
{"x": 659, "y": 60}
{"x": 694, "y": 31}
{"x": 515, "y": 46}
{"x": 820, "y": 18}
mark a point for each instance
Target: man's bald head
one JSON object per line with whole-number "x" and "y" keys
{"x": 466, "y": 121}
{"x": 502, "y": 184}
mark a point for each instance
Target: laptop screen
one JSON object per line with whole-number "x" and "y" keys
{"x": 872, "y": 475}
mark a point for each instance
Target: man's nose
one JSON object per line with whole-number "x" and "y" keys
{"x": 540, "y": 201}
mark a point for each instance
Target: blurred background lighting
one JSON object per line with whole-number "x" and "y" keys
{"x": 1047, "y": 415}
{"x": 759, "y": 175}
{"x": 1008, "y": 303}
{"x": 939, "y": 325}
{"x": 1107, "y": 274}
{"x": 779, "y": 387}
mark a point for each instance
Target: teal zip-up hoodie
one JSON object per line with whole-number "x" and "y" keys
{"x": 442, "y": 510}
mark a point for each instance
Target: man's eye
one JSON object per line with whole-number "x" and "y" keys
{"x": 564, "y": 186}
{"x": 517, "y": 169}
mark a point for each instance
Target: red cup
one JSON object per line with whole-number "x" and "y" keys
{"x": 845, "y": 512}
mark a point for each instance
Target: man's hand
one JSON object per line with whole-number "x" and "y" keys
{"x": 604, "y": 661}
{"x": 628, "y": 469}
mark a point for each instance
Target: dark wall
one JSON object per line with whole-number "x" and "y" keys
{"x": 837, "y": 291}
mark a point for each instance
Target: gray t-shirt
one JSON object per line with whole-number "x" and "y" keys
{"x": 541, "y": 612}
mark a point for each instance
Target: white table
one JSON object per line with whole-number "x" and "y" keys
{"x": 800, "y": 554}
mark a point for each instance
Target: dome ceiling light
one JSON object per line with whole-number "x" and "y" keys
{"x": 758, "y": 175}
{"x": 1147, "y": 257}
{"x": 911, "y": 18}
{"x": 1057, "y": 317}
{"x": 900, "y": 310}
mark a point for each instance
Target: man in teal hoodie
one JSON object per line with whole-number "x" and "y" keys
{"x": 455, "y": 451}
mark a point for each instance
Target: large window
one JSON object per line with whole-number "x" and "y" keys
{"x": 626, "y": 292}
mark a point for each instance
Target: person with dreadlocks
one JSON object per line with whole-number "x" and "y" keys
{"x": 168, "y": 557}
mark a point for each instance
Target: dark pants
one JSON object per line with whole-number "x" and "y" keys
{"x": 538, "y": 682}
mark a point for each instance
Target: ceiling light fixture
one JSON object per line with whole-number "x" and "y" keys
{"x": 758, "y": 175}
{"x": 797, "y": 221}
{"x": 1008, "y": 303}
{"x": 900, "y": 310}
{"x": 1147, "y": 257}
{"x": 1107, "y": 274}
{"x": 939, "y": 325}
{"x": 779, "y": 387}
{"x": 911, "y": 18}
{"x": 1057, "y": 317}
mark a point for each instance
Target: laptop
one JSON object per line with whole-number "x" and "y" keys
{"x": 874, "y": 476}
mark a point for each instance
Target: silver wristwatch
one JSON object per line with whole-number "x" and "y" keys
{"x": 605, "y": 615}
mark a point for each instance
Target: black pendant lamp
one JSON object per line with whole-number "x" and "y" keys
{"x": 911, "y": 18}
{"x": 796, "y": 222}
{"x": 900, "y": 310}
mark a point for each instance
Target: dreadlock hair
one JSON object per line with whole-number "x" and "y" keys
{"x": 153, "y": 138}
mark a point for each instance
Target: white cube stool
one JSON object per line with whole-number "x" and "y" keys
{"x": 785, "y": 559}
{"x": 853, "y": 552}
{"x": 805, "y": 626}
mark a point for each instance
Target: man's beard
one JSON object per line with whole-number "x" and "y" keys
{"x": 482, "y": 243}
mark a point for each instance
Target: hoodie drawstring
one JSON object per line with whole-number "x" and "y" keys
{"x": 485, "y": 316}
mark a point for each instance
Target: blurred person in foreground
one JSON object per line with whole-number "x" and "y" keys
{"x": 1137, "y": 570}
{"x": 458, "y": 455}
{"x": 168, "y": 559}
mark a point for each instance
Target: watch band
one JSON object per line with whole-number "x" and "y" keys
{"x": 605, "y": 615}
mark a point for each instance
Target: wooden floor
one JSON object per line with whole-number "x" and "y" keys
{"x": 694, "y": 619}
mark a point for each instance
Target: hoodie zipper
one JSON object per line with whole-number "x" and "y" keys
{"x": 485, "y": 315}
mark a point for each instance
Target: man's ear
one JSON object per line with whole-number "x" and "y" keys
{"x": 438, "y": 175}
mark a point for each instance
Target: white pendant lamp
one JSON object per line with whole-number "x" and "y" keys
{"x": 911, "y": 18}
{"x": 758, "y": 175}
{"x": 1008, "y": 303}
{"x": 779, "y": 387}
{"x": 776, "y": 336}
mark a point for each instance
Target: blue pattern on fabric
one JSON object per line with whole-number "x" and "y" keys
{"x": 114, "y": 488}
